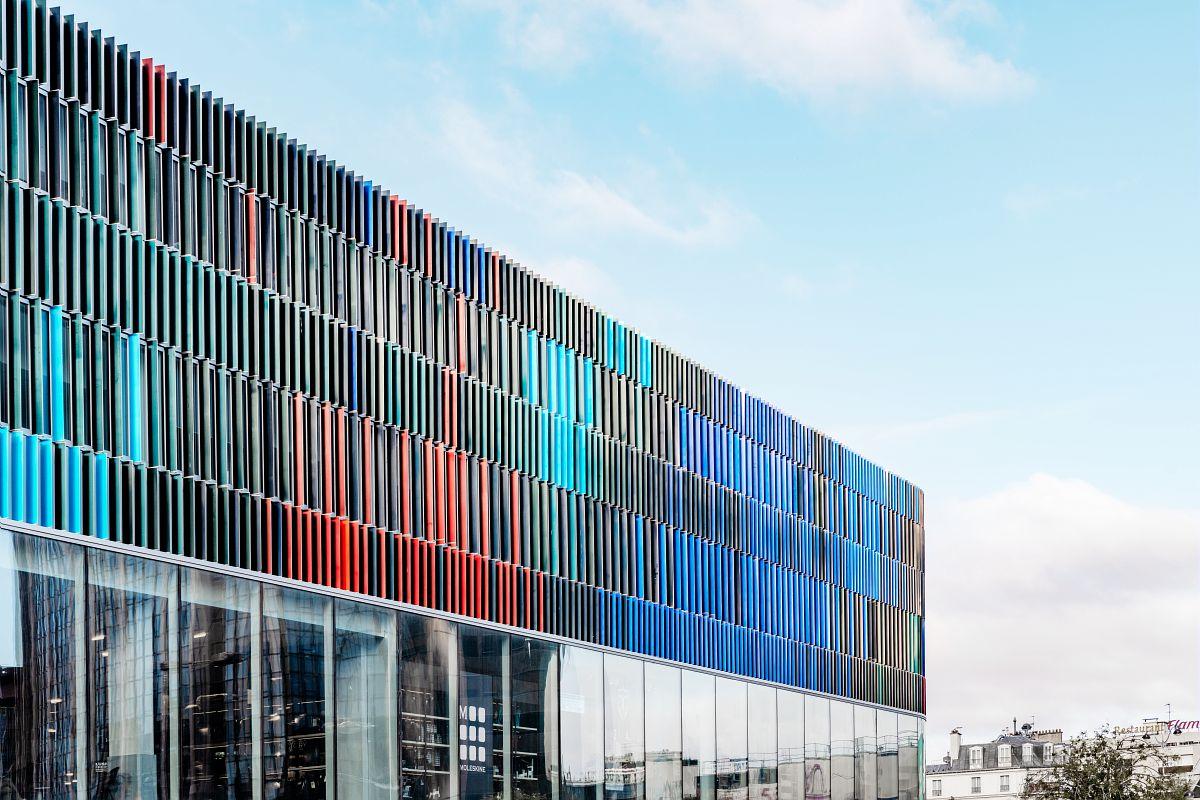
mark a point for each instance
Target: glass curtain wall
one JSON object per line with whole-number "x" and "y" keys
{"x": 762, "y": 742}
{"x": 664, "y": 733}
{"x": 217, "y": 633}
{"x": 624, "y": 729}
{"x": 366, "y": 688}
{"x": 865, "y": 773}
{"x": 297, "y": 690}
{"x": 581, "y": 703}
{"x": 731, "y": 740}
{"x": 129, "y": 741}
{"x": 699, "y": 736}
{"x": 906, "y": 745}
{"x": 841, "y": 751}
{"x": 42, "y": 680}
{"x": 816, "y": 748}
{"x": 426, "y": 648}
{"x": 482, "y": 713}
{"x": 534, "y": 729}
{"x": 791, "y": 746}
{"x": 888, "y": 758}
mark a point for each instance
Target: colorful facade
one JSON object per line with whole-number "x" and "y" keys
{"x": 226, "y": 357}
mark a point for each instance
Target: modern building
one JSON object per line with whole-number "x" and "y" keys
{"x": 304, "y": 493}
{"x": 993, "y": 770}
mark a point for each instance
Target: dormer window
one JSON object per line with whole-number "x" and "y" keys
{"x": 976, "y": 758}
{"x": 1004, "y": 755}
{"x": 1047, "y": 754}
{"x": 1027, "y": 754}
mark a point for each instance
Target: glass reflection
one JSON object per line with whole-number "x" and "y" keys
{"x": 366, "y": 691}
{"x": 864, "y": 753}
{"x": 791, "y": 745}
{"x": 481, "y": 713}
{"x": 906, "y": 745}
{"x": 426, "y": 646}
{"x": 841, "y": 750}
{"x": 731, "y": 739}
{"x": 128, "y": 705}
{"x": 581, "y": 707}
{"x": 297, "y": 679}
{"x": 816, "y": 748}
{"x": 699, "y": 736}
{"x": 534, "y": 735}
{"x": 761, "y": 744}
{"x": 215, "y": 730}
{"x": 38, "y": 585}
{"x": 624, "y": 729}
{"x": 664, "y": 734}
{"x": 887, "y": 760}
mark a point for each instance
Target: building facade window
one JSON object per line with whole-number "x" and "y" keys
{"x": 976, "y": 785}
{"x": 1047, "y": 754}
{"x": 1004, "y": 755}
{"x": 1004, "y": 783}
{"x": 976, "y": 758}
{"x": 1027, "y": 754}
{"x": 936, "y": 788}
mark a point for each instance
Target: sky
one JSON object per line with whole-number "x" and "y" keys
{"x": 960, "y": 237}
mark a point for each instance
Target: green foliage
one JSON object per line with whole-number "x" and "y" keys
{"x": 1106, "y": 766}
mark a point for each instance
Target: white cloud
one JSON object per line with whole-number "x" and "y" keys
{"x": 516, "y": 158}
{"x": 1052, "y": 599}
{"x": 815, "y": 48}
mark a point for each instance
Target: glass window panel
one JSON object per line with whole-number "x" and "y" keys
{"x": 128, "y": 705}
{"x": 664, "y": 733}
{"x": 39, "y": 582}
{"x": 481, "y": 714}
{"x": 791, "y": 745}
{"x": 920, "y": 759}
{"x": 534, "y": 736}
{"x": 864, "y": 753}
{"x": 731, "y": 739}
{"x": 699, "y": 736}
{"x": 841, "y": 747}
{"x": 215, "y": 684}
{"x": 816, "y": 748}
{"x": 761, "y": 743}
{"x": 887, "y": 760}
{"x": 426, "y": 647}
{"x": 297, "y": 684}
{"x": 906, "y": 744}
{"x": 624, "y": 729}
{"x": 365, "y": 663}
{"x": 581, "y": 706}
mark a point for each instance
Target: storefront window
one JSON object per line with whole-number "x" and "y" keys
{"x": 129, "y": 697}
{"x": 624, "y": 729}
{"x": 482, "y": 713}
{"x": 365, "y": 653}
{"x": 791, "y": 745}
{"x": 865, "y": 771}
{"x": 297, "y": 684}
{"x": 841, "y": 751}
{"x": 40, "y": 587}
{"x": 581, "y": 707}
{"x": 731, "y": 739}
{"x": 664, "y": 733}
{"x": 426, "y": 646}
{"x": 534, "y": 733}
{"x": 216, "y": 626}
{"x": 761, "y": 743}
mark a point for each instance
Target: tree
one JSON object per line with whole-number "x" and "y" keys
{"x": 1106, "y": 766}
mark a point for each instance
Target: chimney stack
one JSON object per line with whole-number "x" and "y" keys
{"x": 955, "y": 743}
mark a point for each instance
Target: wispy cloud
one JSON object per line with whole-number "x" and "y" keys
{"x": 814, "y": 48}
{"x": 1053, "y": 598}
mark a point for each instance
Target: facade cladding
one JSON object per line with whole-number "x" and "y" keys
{"x": 308, "y": 494}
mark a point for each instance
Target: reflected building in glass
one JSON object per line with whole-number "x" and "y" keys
{"x": 306, "y": 494}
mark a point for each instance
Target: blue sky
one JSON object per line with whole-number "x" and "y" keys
{"x": 960, "y": 237}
